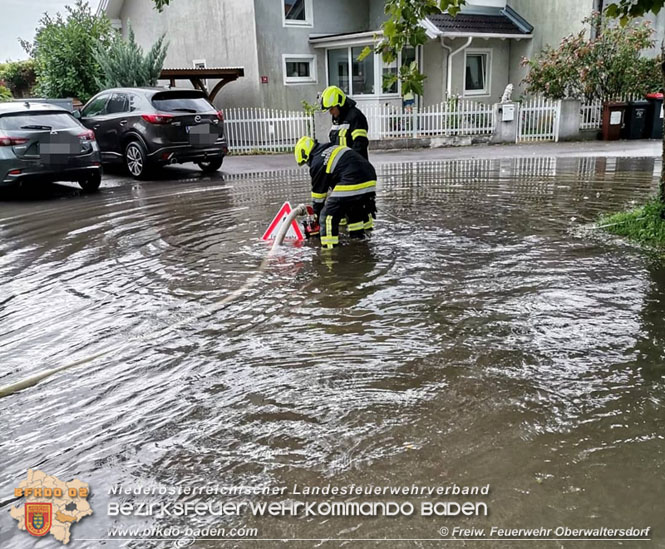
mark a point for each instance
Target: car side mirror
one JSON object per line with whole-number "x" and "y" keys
{"x": 77, "y": 114}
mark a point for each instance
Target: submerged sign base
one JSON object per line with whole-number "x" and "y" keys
{"x": 294, "y": 232}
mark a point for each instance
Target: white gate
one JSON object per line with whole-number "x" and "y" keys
{"x": 539, "y": 120}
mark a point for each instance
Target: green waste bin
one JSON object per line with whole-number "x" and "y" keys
{"x": 655, "y": 122}
{"x": 635, "y": 121}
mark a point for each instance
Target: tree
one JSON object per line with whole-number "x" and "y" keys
{"x": 64, "y": 52}
{"x": 628, "y": 9}
{"x": 5, "y": 94}
{"x": 625, "y": 10}
{"x": 18, "y": 76}
{"x": 124, "y": 64}
{"x": 606, "y": 67}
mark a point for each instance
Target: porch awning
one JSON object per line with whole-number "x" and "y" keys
{"x": 483, "y": 22}
{"x": 198, "y": 76}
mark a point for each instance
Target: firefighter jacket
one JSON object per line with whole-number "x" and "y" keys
{"x": 350, "y": 128}
{"x": 340, "y": 170}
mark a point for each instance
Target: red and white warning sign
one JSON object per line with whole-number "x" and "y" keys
{"x": 294, "y": 232}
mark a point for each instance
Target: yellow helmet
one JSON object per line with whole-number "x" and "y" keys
{"x": 332, "y": 96}
{"x": 304, "y": 148}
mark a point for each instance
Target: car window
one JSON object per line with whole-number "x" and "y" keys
{"x": 36, "y": 121}
{"x": 181, "y": 102}
{"x": 118, "y": 103}
{"x": 96, "y": 106}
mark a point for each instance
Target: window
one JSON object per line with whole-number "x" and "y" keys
{"x": 182, "y": 101}
{"x": 35, "y": 121}
{"x": 338, "y": 69}
{"x": 363, "y": 73}
{"x": 297, "y": 12}
{"x": 96, "y": 107}
{"x": 477, "y": 71}
{"x": 389, "y": 69}
{"x": 299, "y": 69}
{"x": 119, "y": 103}
{"x": 367, "y": 76}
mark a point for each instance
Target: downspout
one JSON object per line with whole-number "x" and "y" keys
{"x": 452, "y": 54}
{"x": 444, "y": 82}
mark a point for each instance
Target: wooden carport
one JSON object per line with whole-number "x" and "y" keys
{"x": 198, "y": 76}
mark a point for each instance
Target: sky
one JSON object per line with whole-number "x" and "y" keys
{"x": 19, "y": 18}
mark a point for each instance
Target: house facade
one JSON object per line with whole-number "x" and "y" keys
{"x": 291, "y": 49}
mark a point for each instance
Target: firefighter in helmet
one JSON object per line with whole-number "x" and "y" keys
{"x": 349, "y": 129}
{"x": 349, "y": 125}
{"x": 342, "y": 183}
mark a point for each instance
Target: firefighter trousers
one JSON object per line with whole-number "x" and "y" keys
{"x": 334, "y": 210}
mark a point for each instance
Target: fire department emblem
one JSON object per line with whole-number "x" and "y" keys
{"x": 38, "y": 518}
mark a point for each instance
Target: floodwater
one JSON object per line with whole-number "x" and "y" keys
{"x": 482, "y": 336}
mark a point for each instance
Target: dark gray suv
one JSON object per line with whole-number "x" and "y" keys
{"x": 148, "y": 127}
{"x": 45, "y": 143}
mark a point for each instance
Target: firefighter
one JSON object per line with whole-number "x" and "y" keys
{"x": 349, "y": 127}
{"x": 342, "y": 183}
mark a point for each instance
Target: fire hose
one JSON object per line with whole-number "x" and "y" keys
{"x": 300, "y": 210}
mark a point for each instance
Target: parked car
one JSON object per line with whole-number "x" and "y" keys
{"x": 41, "y": 142}
{"x": 148, "y": 127}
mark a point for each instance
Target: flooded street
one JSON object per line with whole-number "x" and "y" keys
{"x": 482, "y": 336}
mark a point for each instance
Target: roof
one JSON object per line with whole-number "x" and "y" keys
{"x": 146, "y": 90}
{"x": 208, "y": 72}
{"x": 24, "y": 106}
{"x": 494, "y": 22}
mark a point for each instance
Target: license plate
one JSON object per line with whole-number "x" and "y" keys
{"x": 59, "y": 150}
{"x": 202, "y": 134}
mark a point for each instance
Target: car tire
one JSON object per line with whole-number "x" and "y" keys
{"x": 211, "y": 166}
{"x": 91, "y": 183}
{"x": 136, "y": 160}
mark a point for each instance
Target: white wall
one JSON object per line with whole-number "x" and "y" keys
{"x": 220, "y": 31}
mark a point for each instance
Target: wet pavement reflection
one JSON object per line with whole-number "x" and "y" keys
{"x": 481, "y": 336}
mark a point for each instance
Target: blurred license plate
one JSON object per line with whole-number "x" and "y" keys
{"x": 58, "y": 149}
{"x": 202, "y": 134}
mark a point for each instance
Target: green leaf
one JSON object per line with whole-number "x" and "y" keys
{"x": 366, "y": 51}
{"x": 612, "y": 10}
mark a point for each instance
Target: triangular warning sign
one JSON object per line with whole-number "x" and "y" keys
{"x": 294, "y": 232}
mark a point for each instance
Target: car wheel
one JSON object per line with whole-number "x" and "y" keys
{"x": 136, "y": 159}
{"x": 91, "y": 183}
{"x": 210, "y": 166}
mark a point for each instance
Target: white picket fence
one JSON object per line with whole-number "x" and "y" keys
{"x": 265, "y": 130}
{"x": 451, "y": 118}
{"x": 271, "y": 130}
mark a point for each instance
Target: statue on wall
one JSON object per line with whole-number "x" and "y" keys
{"x": 507, "y": 94}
